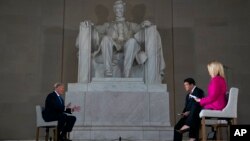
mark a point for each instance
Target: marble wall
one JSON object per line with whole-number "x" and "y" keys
{"x": 31, "y": 61}
{"x": 212, "y": 30}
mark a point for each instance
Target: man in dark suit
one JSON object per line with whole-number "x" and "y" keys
{"x": 55, "y": 110}
{"x": 190, "y": 120}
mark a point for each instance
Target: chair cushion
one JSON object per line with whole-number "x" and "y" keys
{"x": 217, "y": 113}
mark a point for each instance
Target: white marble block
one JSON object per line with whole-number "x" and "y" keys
{"x": 120, "y": 107}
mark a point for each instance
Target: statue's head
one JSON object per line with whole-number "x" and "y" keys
{"x": 119, "y": 8}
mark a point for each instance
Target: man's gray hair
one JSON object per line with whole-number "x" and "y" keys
{"x": 57, "y": 84}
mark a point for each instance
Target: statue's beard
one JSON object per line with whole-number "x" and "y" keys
{"x": 119, "y": 19}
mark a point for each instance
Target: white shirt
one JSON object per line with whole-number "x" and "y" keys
{"x": 192, "y": 91}
{"x": 57, "y": 93}
{"x": 58, "y": 96}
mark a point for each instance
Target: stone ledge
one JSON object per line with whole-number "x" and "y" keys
{"x": 117, "y": 86}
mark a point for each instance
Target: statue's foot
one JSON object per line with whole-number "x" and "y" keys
{"x": 126, "y": 74}
{"x": 108, "y": 74}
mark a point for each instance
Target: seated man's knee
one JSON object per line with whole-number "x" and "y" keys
{"x": 62, "y": 117}
{"x": 73, "y": 118}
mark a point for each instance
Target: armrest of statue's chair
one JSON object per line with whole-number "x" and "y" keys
{"x": 227, "y": 116}
{"x": 40, "y": 123}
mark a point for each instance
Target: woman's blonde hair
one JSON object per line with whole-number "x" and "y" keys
{"x": 215, "y": 68}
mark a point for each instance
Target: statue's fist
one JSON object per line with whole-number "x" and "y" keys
{"x": 86, "y": 23}
{"x": 146, "y": 23}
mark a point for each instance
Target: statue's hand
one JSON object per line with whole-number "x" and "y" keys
{"x": 146, "y": 23}
{"x": 86, "y": 23}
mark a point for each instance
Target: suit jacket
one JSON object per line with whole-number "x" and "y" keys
{"x": 216, "y": 99}
{"x": 53, "y": 107}
{"x": 190, "y": 102}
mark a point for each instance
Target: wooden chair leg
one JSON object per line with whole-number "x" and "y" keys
{"x": 228, "y": 132}
{"x": 234, "y": 121}
{"x": 230, "y": 122}
{"x": 200, "y": 134}
{"x": 203, "y": 129}
{"x": 55, "y": 134}
{"x": 218, "y": 133}
{"x": 68, "y": 135}
{"x": 47, "y": 134}
{"x": 37, "y": 133}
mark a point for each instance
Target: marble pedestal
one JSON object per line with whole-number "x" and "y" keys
{"x": 120, "y": 107}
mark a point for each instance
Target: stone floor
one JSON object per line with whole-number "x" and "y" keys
{"x": 85, "y": 140}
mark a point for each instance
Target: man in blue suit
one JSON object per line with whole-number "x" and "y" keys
{"x": 190, "y": 120}
{"x": 55, "y": 110}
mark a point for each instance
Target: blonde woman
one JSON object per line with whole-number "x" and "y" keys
{"x": 216, "y": 98}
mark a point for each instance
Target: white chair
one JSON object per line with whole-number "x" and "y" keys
{"x": 40, "y": 123}
{"x": 227, "y": 116}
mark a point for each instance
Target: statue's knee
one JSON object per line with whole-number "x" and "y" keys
{"x": 106, "y": 42}
{"x": 106, "y": 38}
{"x": 131, "y": 41}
